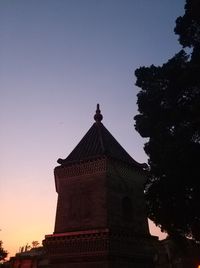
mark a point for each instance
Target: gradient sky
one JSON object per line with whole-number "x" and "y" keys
{"x": 59, "y": 58}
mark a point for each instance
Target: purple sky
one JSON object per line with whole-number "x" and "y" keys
{"x": 59, "y": 58}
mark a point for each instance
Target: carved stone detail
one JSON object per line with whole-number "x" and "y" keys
{"x": 82, "y": 169}
{"x": 96, "y": 242}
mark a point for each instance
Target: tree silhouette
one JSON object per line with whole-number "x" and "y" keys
{"x": 169, "y": 115}
{"x": 35, "y": 244}
{"x": 3, "y": 252}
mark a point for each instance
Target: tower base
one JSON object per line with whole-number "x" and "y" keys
{"x": 100, "y": 248}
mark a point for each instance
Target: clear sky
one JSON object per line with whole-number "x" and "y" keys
{"x": 59, "y": 58}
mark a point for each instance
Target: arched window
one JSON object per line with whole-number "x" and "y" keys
{"x": 127, "y": 209}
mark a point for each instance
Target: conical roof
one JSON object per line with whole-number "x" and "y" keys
{"x": 98, "y": 142}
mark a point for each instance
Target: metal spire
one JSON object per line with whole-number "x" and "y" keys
{"x": 98, "y": 116}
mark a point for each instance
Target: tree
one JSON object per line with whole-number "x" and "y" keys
{"x": 3, "y": 253}
{"x": 188, "y": 28}
{"x": 35, "y": 244}
{"x": 169, "y": 115}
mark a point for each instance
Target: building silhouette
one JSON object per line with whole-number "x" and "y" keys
{"x": 101, "y": 217}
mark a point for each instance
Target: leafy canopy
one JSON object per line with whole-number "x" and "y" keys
{"x": 169, "y": 115}
{"x": 3, "y": 253}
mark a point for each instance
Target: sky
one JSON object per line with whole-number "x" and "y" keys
{"x": 59, "y": 58}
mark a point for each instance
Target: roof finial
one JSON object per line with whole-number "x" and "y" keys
{"x": 98, "y": 116}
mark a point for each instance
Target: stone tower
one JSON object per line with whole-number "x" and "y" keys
{"x": 101, "y": 220}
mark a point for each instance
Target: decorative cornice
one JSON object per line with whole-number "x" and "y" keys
{"x": 95, "y": 243}
{"x": 81, "y": 168}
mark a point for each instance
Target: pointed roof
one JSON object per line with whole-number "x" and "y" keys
{"x": 98, "y": 142}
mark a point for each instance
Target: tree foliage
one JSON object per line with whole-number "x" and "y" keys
{"x": 169, "y": 115}
{"x": 35, "y": 244}
{"x": 3, "y": 252}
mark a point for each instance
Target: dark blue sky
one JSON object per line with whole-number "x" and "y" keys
{"x": 59, "y": 58}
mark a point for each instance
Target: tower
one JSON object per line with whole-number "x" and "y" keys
{"x": 101, "y": 219}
